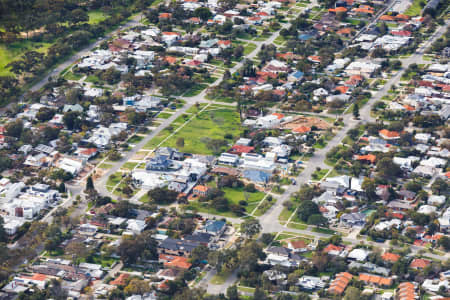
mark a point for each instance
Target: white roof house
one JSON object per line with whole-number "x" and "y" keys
{"x": 434, "y": 162}
{"x": 71, "y": 165}
{"x": 388, "y": 224}
{"x": 136, "y": 226}
{"x": 436, "y": 200}
{"x": 365, "y": 69}
{"x": 359, "y": 254}
{"x": 268, "y": 121}
{"x": 427, "y": 209}
{"x": 228, "y": 159}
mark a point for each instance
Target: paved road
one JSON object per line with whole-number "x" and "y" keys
{"x": 83, "y": 52}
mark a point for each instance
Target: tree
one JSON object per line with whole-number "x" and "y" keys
{"x": 266, "y": 238}
{"x": 199, "y": 254}
{"x": 162, "y": 196}
{"x": 89, "y": 184}
{"x": 440, "y": 187}
{"x": 3, "y": 235}
{"x": 232, "y": 293}
{"x": 259, "y": 294}
{"x": 317, "y": 219}
{"x": 62, "y": 187}
{"x": 369, "y": 186}
{"x": 14, "y": 128}
{"x": 352, "y": 293}
{"x": 444, "y": 242}
{"x": 250, "y": 227}
{"x": 72, "y": 120}
{"x": 140, "y": 247}
{"x": 78, "y": 16}
{"x": 387, "y": 169}
{"x": 203, "y": 13}
{"x": 306, "y": 209}
{"x": 180, "y": 142}
{"x": 356, "y": 110}
{"x": 137, "y": 287}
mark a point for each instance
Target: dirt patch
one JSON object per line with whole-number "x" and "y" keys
{"x": 306, "y": 121}
{"x": 139, "y": 155}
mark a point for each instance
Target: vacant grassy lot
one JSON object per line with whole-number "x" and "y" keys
{"x": 415, "y": 9}
{"x": 213, "y": 123}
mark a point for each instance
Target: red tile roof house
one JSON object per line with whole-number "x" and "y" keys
{"x": 389, "y": 135}
{"x": 121, "y": 280}
{"x": 239, "y": 149}
{"x": 419, "y": 263}
{"x": 354, "y": 80}
{"x": 339, "y": 284}
{"x": 224, "y": 44}
{"x": 201, "y": 190}
{"x": 298, "y": 246}
{"x": 367, "y": 158}
{"x": 405, "y": 33}
{"x": 165, "y": 15}
{"x": 390, "y": 257}
{"x": 333, "y": 249}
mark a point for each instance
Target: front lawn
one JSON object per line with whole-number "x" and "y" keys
{"x": 135, "y": 139}
{"x": 319, "y": 174}
{"x": 164, "y": 115}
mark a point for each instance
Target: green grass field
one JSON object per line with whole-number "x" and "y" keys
{"x": 164, "y": 115}
{"x": 14, "y": 51}
{"x": 96, "y": 16}
{"x": 415, "y": 9}
{"x": 213, "y": 124}
{"x": 248, "y": 48}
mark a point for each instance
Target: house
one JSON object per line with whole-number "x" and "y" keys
{"x": 425, "y": 171}
{"x": 339, "y": 284}
{"x": 200, "y": 237}
{"x": 175, "y": 262}
{"x": 121, "y": 280}
{"x": 419, "y": 263}
{"x": 257, "y": 176}
{"x": 310, "y": 283}
{"x": 358, "y": 254}
{"x": 390, "y": 257}
{"x": 436, "y": 200}
{"x": 71, "y": 165}
{"x": 333, "y": 250}
{"x": 201, "y": 190}
{"x": 224, "y": 44}
{"x": 239, "y": 149}
{"x": 86, "y": 153}
{"x": 298, "y": 246}
{"x": 389, "y": 135}
{"x": 375, "y": 280}
{"x": 228, "y": 159}
{"x": 215, "y": 227}
{"x": 406, "y": 291}
{"x": 435, "y": 285}
{"x": 370, "y": 158}
{"x": 353, "y": 219}
{"x": 177, "y": 247}
{"x": 159, "y": 163}
{"x": 366, "y": 69}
